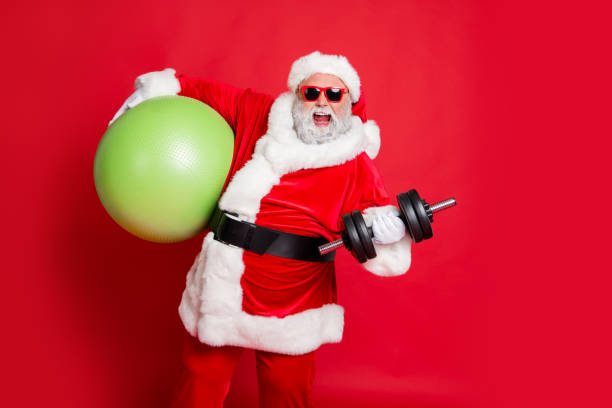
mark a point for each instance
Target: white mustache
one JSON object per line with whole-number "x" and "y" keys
{"x": 324, "y": 111}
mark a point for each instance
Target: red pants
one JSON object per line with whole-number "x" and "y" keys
{"x": 284, "y": 381}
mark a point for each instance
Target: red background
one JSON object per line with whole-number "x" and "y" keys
{"x": 504, "y": 107}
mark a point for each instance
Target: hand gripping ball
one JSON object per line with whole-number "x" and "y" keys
{"x": 160, "y": 167}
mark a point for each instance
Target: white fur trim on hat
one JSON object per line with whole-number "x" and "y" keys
{"x": 317, "y": 63}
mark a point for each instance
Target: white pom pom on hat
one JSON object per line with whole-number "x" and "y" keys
{"x": 317, "y": 63}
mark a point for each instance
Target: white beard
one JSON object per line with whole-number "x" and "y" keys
{"x": 309, "y": 133}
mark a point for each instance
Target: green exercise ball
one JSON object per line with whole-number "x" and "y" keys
{"x": 160, "y": 167}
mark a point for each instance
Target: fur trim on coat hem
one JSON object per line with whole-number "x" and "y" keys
{"x": 295, "y": 334}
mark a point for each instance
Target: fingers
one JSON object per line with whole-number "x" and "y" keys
{"x": 133, "y": 100}
{"x": 143, "y": 79}
{"x": 158, "y": 81}
{"x": 388, "y": 228}
{"x": 377, "y": 229}
{"x": 396, "y": 224}
{"x": 149, "y": 85}
{"x": 120, "y": 112}
{"x": 380, "y": 228}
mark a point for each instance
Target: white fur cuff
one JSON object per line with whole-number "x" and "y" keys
{"x": 392, "y": 259}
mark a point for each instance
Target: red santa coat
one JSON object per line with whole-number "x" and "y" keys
{"x": 236, "y": 297}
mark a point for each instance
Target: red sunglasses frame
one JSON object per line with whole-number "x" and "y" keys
{"x": 323, "y": 91}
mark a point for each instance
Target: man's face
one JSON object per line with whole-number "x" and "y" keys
{"x": 321, "y": 121}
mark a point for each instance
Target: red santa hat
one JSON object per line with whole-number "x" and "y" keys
{"x": 336, "y": 65}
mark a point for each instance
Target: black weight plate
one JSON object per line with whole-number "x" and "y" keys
{"x": 410, "y": 217}
{"x": 421, "y": 214}
{"x": 353, "y": 237}
{"x": 364, "y": 235}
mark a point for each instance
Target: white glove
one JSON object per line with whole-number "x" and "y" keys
{"x": 150, "y": 85}
{"x": 387, "y": 228}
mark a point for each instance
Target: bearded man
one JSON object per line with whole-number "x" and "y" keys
{"x": 300, "y": 162}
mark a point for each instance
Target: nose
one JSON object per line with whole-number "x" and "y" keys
{"x": 322, "y": 101}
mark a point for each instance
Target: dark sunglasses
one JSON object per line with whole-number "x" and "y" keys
{"x": 312, "y": 93}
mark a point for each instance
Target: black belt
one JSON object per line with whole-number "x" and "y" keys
{"x": 262, "y": 240}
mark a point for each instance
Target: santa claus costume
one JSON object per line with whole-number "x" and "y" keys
{"x": 282, "y": 308}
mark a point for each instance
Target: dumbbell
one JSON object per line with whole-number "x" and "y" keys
{"x": 416, "y": 214}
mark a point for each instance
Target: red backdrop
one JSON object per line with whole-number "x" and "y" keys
{"x": 472, "y": 100}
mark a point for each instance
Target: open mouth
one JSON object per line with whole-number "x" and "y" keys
{"x": 321, "y": 119}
